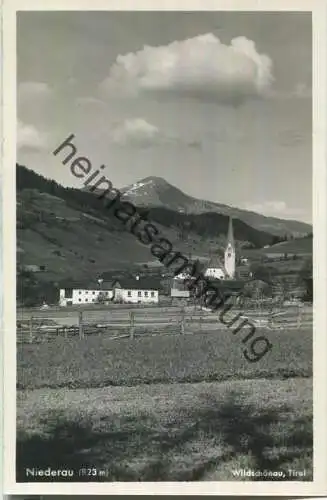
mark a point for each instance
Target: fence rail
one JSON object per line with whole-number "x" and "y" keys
{"x": 42, "y": 326}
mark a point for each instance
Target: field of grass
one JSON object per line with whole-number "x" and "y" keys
{"x": 168, "y": 408}
{"x": 171, "y": 432}
{"x": 217, "y": 356}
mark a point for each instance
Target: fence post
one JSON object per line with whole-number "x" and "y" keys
{"x": 131, "y": 325}
{"x": 182, "y": 331}
{"x": 80, "y": 325}
{"x": 31, "y": 330}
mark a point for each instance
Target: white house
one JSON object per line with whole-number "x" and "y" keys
{"x": 127, "y": 290}
{"x": 215, "y": 269}
{"x": 79, "y": 294}
{"x": 136, "y": 291}
{"x": 179, "y": 288}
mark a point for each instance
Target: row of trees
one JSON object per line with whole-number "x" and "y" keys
{"x": 287, "y": 237}
{"x": 33, "y": 292}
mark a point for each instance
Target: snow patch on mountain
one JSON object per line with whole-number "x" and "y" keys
{"x": 137, "y": 186}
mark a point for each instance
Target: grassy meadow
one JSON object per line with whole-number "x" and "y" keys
{"x": 165, "y": 408}
{"x": 98, "y": 361}
{"x": 169, "y": 432}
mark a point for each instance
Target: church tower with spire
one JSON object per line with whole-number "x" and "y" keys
{"x": 230, "y": 252}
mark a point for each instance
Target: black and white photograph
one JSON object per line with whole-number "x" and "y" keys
{"x": 165, "y": 296}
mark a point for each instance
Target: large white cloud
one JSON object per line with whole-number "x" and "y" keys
{"x": 29, "y": 137}
{"x": 201, "y": 67}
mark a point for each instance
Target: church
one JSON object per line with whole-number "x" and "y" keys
{"x": 223, "y": 275}
{"x": 224, "y": 271}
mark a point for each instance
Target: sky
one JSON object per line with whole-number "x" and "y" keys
{"x": 217, "y": 103}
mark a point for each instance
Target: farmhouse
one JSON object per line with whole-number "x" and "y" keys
{"x": 215, "y": 269}
{"x": 137, "y": 291}
{"x": 243, "y": 272}
{"x": 128, "y": 290}
{"x": 86, "y": 293}
{"x": 179, "y": 288}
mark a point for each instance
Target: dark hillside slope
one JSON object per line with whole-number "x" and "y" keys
{"x": 73, "y": 237}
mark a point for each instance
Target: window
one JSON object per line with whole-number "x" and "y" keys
{"x": 80, "y": 292}
{"x": 93, "y": 300}
{"x": 93, "y": 293}
{"x": 146, "y": 294}
{"x": 86, "y": 291}
{"x": 86, "y": 300}
{"x": 139, "y": 293}
{"x": 129, "y": 293}
{"x": 79, "y": 300}
{"x": 68, "y": 293}
{"x": 152, "y": 294}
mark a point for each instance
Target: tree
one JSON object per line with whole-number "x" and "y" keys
{"x": 306, "y": 278}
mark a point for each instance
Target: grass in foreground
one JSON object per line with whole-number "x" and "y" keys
{"x": 100, "y": 362}
{"x": 172, "y": 432}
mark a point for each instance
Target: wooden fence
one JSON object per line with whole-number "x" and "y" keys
{"x": 42, "y": 326}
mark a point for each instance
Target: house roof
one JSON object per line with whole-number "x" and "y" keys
{"x": 140, "y": 284}
{"x": 108, "y": 284}
{"x": 88, "y": 285}
{"x": 215, "y": 263}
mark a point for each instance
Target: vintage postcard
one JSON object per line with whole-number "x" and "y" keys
{"x": 164, "y": 220}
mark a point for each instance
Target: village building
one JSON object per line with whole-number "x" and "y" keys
{"x": 215, "y": 269}
{"x": 137, "y": 291}
{"x": 126, "y": 290}
{"x": 225, "y": 276}
{"x": 79, "y": 293}
{"x": 243, "y": 272}
{"x": 179, "y": 288}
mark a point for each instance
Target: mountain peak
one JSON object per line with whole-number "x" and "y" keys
{"x": 153, "y": 191}
{"x": 151, "y": 182}
{"x": 149, "y": 186}
{"x": 154, "y": 180}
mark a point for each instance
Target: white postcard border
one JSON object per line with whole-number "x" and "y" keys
{"x": 319, "y": 485}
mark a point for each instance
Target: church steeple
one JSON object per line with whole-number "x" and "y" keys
{"x": 230, "y": 235}
{"x": 230, "y": 251}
